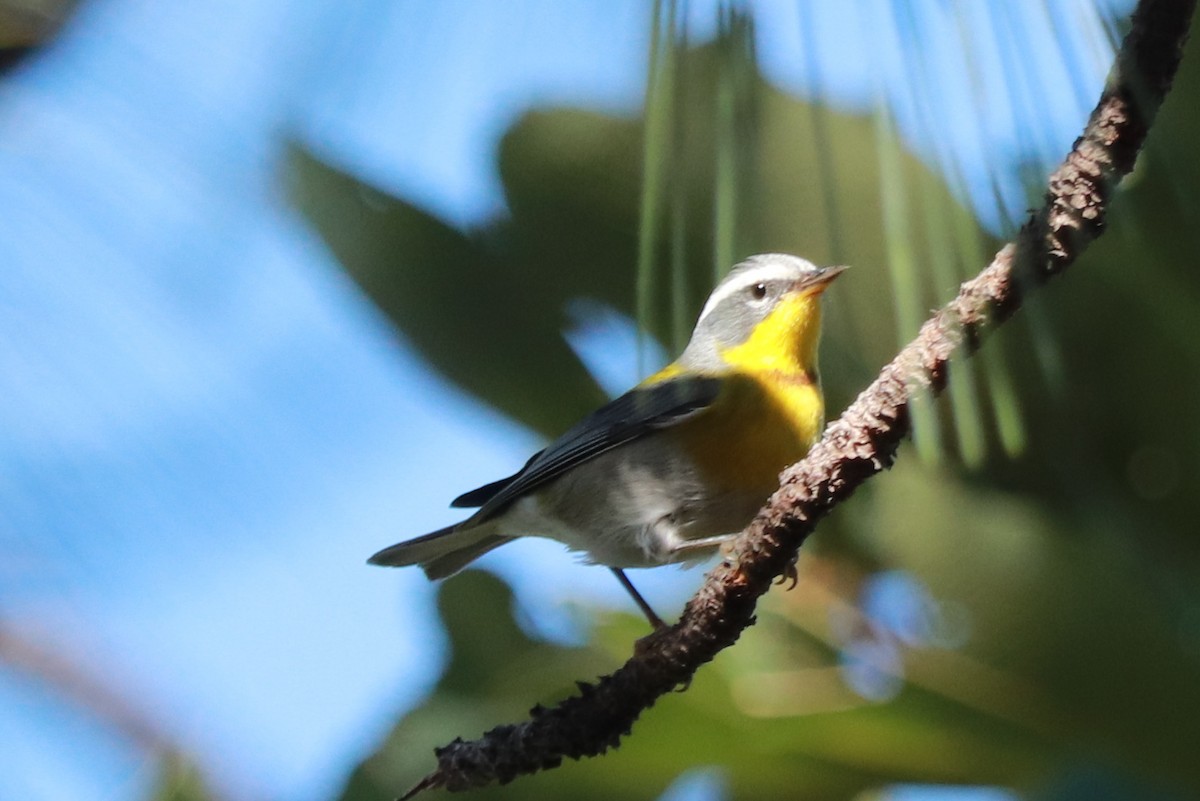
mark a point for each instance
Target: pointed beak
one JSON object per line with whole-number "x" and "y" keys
{"x": 819, "y": 281}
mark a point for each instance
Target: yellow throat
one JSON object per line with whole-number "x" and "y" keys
{"x": 771, "y": 409}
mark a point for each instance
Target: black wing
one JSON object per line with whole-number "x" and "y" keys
{"x": 480, "y": 496}
{"x": 637, "y": 412}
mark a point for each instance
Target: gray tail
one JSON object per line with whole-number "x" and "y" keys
{"x": 441, "y": 553}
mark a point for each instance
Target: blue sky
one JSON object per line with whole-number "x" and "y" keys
{"x": 206, "y": 427}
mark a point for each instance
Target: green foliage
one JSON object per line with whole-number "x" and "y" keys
{"x": 28, "y": 24}
{"x": 481, "y": 304}
{"x": 180, "y": 780}
{"x": 509, "y": 672}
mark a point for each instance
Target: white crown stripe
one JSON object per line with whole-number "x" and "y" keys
{"x": 770, "y": 267}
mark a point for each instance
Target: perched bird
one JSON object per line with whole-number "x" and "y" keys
{"x": 680, "y": 463}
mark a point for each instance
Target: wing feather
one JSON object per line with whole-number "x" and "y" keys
{"x": 634, "y": 414}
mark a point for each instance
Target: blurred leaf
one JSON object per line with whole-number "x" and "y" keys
{"x": 180, "y": 780}
{"x": 493, "y": 329}
{"x": 26, "y": 24}
{"x": 487, "y": 307}
{"x": 1070, "y": 642}
{"x": 510, "y": 673}
{"x": 1114, "y": 439}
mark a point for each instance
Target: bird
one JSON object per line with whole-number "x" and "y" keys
{"x": 681, "y": 463}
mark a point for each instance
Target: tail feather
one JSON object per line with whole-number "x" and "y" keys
{"x": 441, "y": 553}
{"x": 451, "y": 563}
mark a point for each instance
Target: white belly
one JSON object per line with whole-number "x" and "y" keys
{"x": 637, "y": 506}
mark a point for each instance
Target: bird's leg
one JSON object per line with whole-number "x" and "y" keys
{"x": 655, "y": 620}
{"x": 790, "y": 572}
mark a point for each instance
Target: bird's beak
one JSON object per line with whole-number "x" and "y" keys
{"x": 818, "y": 282}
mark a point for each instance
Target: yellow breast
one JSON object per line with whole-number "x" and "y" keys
{"x": 770, "y": 410}
{"x": 760, "y": 424}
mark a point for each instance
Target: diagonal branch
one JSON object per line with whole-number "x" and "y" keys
{"x": 863, "y": 441}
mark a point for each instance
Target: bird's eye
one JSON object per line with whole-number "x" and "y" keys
{"x": 759, "y": 291}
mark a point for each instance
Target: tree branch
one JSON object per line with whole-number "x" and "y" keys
{"x": 863, "y": 441}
